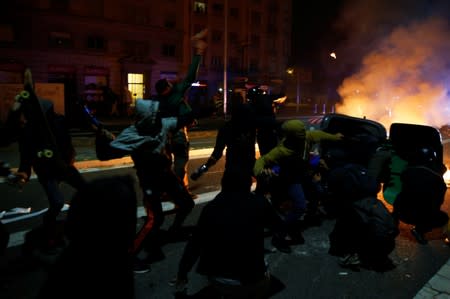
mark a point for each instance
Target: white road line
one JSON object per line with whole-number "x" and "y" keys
{"x": 18, "y": 238}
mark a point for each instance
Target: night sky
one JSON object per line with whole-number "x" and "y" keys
{"x": 353, "y": 29}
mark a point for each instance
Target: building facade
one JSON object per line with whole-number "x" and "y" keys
{"x": 87, "y": 45}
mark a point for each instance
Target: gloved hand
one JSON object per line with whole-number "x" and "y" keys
{"x": 198, "y": 173}
{"x": 18, "y": 179}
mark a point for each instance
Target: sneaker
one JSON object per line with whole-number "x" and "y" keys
{"x": 281, "y": 244}
{"x": 419, "y": 236}
{"x": 140, "y": 267}
{"x": 350, "y": 261}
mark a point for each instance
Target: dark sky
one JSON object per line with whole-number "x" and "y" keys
{"x": 353, "y": 28}
{"x": 313, "y": 28}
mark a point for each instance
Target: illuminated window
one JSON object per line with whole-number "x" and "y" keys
{"x": 136, "y": 85}
{"x": 200, "y": 7}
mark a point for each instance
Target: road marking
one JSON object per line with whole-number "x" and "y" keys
{"x": 18, "y": 238}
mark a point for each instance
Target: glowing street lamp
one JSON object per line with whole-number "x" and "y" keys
{"x": 290, "y": 71}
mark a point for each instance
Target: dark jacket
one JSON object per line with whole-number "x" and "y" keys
{"x": 229, "y": 238}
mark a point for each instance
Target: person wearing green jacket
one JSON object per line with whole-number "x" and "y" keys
{"x": 283, "y": 169}
{"x": 171, "y": 95}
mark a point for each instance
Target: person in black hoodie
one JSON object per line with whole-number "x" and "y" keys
{"x": 52, "y": 163}
{"x": 229, "y": 242}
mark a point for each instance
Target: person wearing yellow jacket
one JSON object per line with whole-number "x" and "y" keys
{"x": 283, "y": 169}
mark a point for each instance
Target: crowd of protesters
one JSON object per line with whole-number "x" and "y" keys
{"x": 290, "y": 188}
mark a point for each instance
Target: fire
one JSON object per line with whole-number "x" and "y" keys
{"x": 333, "y": 55}
{"x": 402, "y": 80}
{"x": 447, "y": 177}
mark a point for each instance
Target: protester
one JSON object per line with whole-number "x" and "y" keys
{"x": 267, "y": 127}
{"x": 228, "y": 243}
{"x": 282, "y": 170}
{"x": 422, "y": 194}
{"x": 171, "y": 95}
{"x": 146, "y": 141}
{"x": 237, "y": 135}
{"x": 100, "y": 227}
{"x": 51, "y": 168}
{"x": 365, "y": 231}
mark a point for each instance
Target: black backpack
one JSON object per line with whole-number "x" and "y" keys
{"x": 379, "y": 224}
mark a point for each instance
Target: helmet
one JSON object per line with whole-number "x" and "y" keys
{"x": 253, "y": 92}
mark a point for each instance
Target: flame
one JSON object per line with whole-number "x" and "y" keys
{"x": 333, "y": 55}
{"x": 401, "y": 79}
{"x": 447, "y": 177}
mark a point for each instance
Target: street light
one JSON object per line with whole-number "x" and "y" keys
{"x": 291, "y": 71}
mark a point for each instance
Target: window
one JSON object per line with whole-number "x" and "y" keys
{"x": 216, "y": 61}
{"x": 60, "y": 40}
{"x": 253, "y": 65}
{"x": 255, "y": 40}
{"x": 232, "y": 37}
{"x": 233, "y": 13}
{"x": 216, "y": 36}
{"x": 234, "y": 63}
{"x": 255, "y": 18}
{"x": 170, "y": 22}
{"x": 200, "y": 7}
{"x": 136, "y": 86}
{"x": 168, "y": 50}
{"x": 217, "y": 8}
{"x": 139, "y": 50}
{"x": 96, "y": 43}
{"x": 6, "y": 34}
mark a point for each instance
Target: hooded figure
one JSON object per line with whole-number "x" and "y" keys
{"x": 147, "y": 141}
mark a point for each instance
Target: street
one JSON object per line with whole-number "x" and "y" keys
{"x": 308, "y": 272}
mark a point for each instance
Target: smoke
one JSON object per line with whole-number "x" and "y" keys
{"x": 404, "y": 65}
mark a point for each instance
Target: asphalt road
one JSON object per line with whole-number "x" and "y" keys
{"x": 308, "y": 272}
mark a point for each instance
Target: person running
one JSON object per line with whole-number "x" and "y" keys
{"x": 146, "y": 141}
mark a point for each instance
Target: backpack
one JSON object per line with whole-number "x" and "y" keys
{"x": 378, "y": 222}
{"x": 351, "y": 182}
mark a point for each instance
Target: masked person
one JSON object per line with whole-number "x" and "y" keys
{"x": 146, "y": 141}
{"x": 238, "y": 137}
{"x": 45, "y": 147}
{"x": 281, "y": 172}
{"x": 171, "y": 95}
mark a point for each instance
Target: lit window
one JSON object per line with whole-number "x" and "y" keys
{"x": 200, "y": 7}
{"x": 136, "y": 85}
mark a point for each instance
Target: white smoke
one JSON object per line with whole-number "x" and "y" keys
{"x": 404, "y": 74}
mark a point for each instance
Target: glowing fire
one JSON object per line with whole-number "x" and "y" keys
{"x": 402, "y": 80}
{"x": 333, "y": 55}
{"x": 447, "y": 177}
